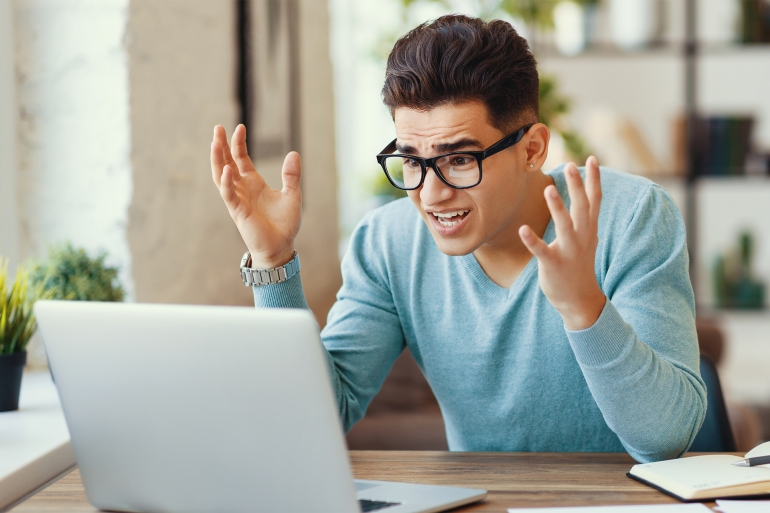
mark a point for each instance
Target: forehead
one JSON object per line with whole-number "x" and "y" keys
{"x": 443, "y": 123}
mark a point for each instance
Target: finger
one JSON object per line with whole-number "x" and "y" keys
{"x": 534, "y": 244}
{"x": 565, "y": 231}
{"x": 227, "y": 188}
{"x": 220, "y": 135}
{"x": 593, "y": 189}
{"x": 240, "y": 152}
{"x": 291, "y": 174}
{"x": 579, "y": 206}
{"x": 217, "y": 162}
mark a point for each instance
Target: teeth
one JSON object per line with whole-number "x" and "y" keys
{"x": 444, "y": 219}
{"x": 447, "y": 215}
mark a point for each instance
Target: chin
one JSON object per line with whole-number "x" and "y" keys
{"x": 453, "y": 247}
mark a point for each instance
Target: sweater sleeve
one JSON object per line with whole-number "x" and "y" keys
{"x": 641, "y": 359}
{"x": 363, "y": 335}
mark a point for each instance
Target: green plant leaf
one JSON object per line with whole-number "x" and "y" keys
{"x": 70, "y": 273}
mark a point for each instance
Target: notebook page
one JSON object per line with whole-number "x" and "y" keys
{"x": 647, "y": 508}
{"x": 700, "y": 473}
{"x": 760, "y": 450}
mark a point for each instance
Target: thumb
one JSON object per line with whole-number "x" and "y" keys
{"x": 291, "y": 173}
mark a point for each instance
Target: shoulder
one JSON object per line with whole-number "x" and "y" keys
{"x": 390, "y": 221}
{"x": 616, "y": 185}
{"x": 624, "y": 197}
{"x": 388, "y": 233}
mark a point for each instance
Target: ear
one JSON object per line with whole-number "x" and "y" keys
{"x": 536, "y": 146}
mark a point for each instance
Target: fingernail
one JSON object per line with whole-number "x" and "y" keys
{"x": 552, "y": 192}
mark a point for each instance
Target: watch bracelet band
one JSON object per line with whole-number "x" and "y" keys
{"x": 260, "y": 277}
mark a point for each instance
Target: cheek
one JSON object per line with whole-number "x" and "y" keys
{"x": 414, "y": 196}
{"x": 497, "y": 197}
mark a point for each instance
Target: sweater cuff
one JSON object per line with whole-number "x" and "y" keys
{"x": 605, "y": 341}
{"x": 287, "y": 294}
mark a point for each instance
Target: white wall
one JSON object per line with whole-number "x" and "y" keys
{"x": 181, "y": 71}
{"x": 74, "y": 140}
{"x": 9, "y": 232}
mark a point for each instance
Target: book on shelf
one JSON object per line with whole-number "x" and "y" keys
{"x": 723, "y": 144}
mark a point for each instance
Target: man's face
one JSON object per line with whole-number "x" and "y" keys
{"x": 487, "y": 212}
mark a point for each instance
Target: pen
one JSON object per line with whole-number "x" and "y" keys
{"x": 753, "y": 462}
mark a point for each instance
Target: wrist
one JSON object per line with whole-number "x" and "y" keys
{"x": 269, "y": 261}
{"x": 584, "y": 313}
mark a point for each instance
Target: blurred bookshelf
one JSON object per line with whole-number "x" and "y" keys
{"x": 684, "y": 91}
{"x": 716, "y": 88}
{"x": 668, "y": 49}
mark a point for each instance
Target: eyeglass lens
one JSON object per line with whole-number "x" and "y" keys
{"x": 460, "y": 170}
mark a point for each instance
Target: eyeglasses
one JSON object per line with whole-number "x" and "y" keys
{"x": 459, "y": 170}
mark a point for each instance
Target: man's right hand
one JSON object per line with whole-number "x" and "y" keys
{"x": 268, "y": 220}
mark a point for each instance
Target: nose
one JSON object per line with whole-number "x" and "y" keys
{"x": 433, "y": 190}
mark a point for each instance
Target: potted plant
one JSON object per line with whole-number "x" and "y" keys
{"x": 70, "y": 273}
{"x": 17, "y": 324}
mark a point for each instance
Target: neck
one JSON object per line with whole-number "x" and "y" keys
{"x": 504, "y": 256}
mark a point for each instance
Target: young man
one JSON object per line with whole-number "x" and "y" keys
{"x": 541, "y": 322}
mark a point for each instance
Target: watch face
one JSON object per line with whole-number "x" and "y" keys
{"x": 245, "y": 259}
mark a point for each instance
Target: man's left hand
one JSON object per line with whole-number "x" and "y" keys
{"x": 566, "y": 265}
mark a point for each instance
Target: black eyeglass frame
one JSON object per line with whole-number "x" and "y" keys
{"x": 506, "y": 142}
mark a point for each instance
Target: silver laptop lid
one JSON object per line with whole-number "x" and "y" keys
{"x": 198, "y": 408}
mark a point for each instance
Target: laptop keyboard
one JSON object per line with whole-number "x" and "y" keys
{"x": 367, "y": 505}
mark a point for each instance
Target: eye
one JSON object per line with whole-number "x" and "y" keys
{"x": 411, "y": 163}
{"x": 460, "y": 160}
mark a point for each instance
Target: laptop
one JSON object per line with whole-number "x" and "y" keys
{"x": 204, "y": 409}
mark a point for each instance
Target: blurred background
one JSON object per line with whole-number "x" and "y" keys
{"x": 107, "y": 109}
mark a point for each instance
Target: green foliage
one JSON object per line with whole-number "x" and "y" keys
{"x": 553, "y": 107}
{"x": 535, "y": 13}
{"x": 70, "y": 273}
{"x": 552, "y": 104}
{"x": 17, "y": 322}
{"x": 383, "y": 188}
{"x": 575, "y": 146}
{"x": 734, "y": 283}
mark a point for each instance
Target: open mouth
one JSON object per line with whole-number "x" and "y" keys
{"x": 449, "y": 219}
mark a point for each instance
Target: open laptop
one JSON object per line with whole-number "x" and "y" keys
{"x": 204, "y": 409}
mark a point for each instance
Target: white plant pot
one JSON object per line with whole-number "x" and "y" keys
{"x": 633, "y": 23}
{"x": 569, "y": 20}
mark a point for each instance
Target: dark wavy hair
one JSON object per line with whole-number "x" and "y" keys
{"x": 457, "y": 58}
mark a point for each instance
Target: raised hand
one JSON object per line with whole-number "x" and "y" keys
{"x": 566, "y": 265}
{"x": 268, "y": 220}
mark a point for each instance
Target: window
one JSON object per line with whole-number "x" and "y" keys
{"x": 9, "y": 232}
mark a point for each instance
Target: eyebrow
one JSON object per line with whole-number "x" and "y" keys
{"x": 444, "y": 147}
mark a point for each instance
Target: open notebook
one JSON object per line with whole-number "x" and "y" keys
{"x": 706, "y": 477}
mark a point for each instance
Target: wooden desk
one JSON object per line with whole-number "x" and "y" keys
{"x": 513, "y": 479}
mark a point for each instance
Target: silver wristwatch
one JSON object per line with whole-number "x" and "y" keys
{"x": 259, "y": 277}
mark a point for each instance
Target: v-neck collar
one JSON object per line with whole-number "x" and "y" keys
{"x": 530, "y": 269}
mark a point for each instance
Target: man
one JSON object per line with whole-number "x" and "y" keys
{"x": 541, "y": 322}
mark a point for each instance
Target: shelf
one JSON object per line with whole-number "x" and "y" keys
{"x": 664, "y": 180}
{"x": 35, "y": 441}
{"x": 674, "y": 49}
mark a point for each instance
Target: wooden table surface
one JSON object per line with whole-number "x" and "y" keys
{"x": 512, "y": 479}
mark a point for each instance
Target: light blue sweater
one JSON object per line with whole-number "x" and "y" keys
{"x": 506, "y": 372}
